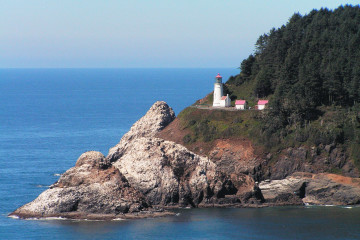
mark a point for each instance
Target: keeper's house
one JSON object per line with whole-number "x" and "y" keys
{"x": 262, "y": 104}
{"x": 225, "y": 101}
{"x": 240, "y": 104}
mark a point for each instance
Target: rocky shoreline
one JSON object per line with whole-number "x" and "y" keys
{"x": 145, "y": 175}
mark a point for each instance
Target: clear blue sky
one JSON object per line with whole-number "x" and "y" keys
{"x": 157, "y": 33}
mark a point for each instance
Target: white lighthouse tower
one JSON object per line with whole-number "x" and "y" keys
{"x": 218, "y": 91}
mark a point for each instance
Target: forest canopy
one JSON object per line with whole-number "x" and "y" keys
{"x": 313, "y": 60}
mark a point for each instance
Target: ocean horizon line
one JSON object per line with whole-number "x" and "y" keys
{"x": 6, "y": 68}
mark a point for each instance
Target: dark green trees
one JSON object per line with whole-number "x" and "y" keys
{"x": 313, "y": 60}
{"x": 309, "y": 69}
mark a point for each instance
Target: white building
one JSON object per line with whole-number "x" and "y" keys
{"x": 240, "y": 104}
{"x": 261, "y": 104}
{"x": 218, "y": 91}
{"x": 225, "y": 101}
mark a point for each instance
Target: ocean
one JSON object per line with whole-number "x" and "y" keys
{"x": 49, "y": 117}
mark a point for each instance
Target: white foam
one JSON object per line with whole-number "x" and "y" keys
{"x": 57, "y": 174}
{"x": 55, "y": 218}
{"x": 42, "y": 186}
{"x": 47, "y": 218}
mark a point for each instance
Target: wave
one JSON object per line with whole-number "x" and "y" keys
{"x": 42, "y": 218}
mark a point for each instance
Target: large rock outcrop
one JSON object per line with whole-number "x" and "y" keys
{"x": 312, "y": 189}
{"x": 156, "y": 119}
{"x": 87, "y": 191}
{"x": 168, "y": 174}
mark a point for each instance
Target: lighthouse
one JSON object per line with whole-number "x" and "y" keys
{"x": 219, "y": 99}
{"x": 218, "y": 91}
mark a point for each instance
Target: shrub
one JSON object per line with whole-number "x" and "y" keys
{"x": 187, "y": 139}
{"x": 237, "y": 120}
{"x": 302, "y": 135}
{"x": 192, "y": 122}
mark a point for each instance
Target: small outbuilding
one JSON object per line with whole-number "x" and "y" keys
{"x": 261, "y": 104}
{"x": 240, "y": 104}
{"x": 225, "y": 101}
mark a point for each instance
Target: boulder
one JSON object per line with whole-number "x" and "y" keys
{"x": 332, "y": 189}
{"x": 313, "y": 189}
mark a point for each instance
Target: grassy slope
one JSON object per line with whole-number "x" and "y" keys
{"x": 335, "y": 125}
{"x": 208, "y": 125}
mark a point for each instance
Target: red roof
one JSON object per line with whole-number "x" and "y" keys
{"x": 240, "y": 102}
{"x": 218, "y": 76}
{"x": 263, "y": 102}
{"x": 223, "y": 97}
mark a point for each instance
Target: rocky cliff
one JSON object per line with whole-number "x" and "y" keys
{"x": 170, "y": 175}
{"x": 96, "y": 189}
{"x": 88, "y": 191}
{"x": 312, "y": 189}
{"x": 145, "y": 173}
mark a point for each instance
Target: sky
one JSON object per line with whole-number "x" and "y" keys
{"x": 139, "y": 33}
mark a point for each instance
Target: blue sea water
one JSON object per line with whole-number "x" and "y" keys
{"x": 48, "y": 117}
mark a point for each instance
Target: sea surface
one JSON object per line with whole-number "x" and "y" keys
{"x": 48, "y": 117}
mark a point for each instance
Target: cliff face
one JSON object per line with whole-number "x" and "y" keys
{"x": 314, "y": 160}
{"x": 145, "y": 172}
